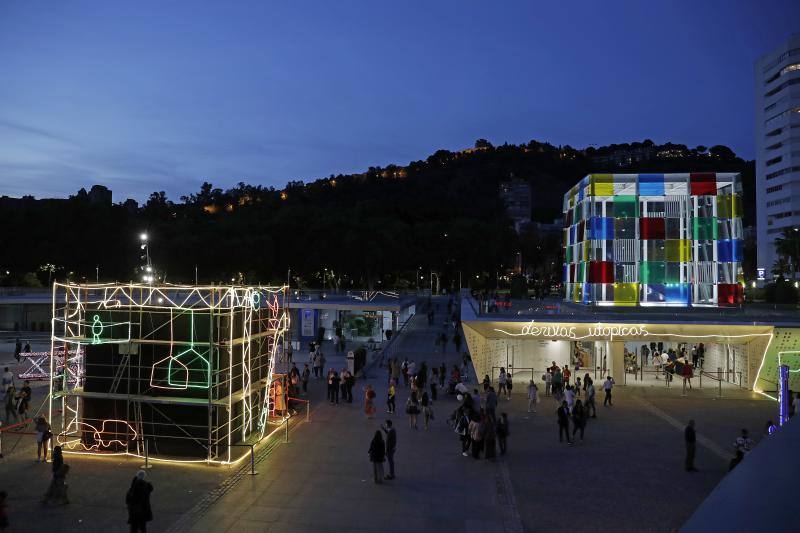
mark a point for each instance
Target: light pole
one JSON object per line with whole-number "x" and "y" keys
{"x": 97, "y": 271}
{"x": 147, "y": 268}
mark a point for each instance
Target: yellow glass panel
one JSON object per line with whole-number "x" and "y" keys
{"x": 626, "y": 293}
{"x": 678, "y": 250}
{"x": 602, "y": 184}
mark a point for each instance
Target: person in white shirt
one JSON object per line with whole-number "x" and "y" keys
{"x": 570, "y": 397}
{"x": 608, "y": 384}
{"x": 501, "y": 390}
{"x": 548, "y": 382}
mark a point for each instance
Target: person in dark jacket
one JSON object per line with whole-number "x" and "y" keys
{"x": 578, "y": 419}
{"x": 691, "y": 445}
{"x": 377, "y": 454}
{"x": 489, "y": 439}
{"x": 138, "y": 501}
{"x": 502, "y": 432}
{"x": 391, "y": 446}
{"x": 563, "y": 422}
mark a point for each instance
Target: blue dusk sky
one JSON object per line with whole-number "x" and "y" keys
{"x": 163, "y": 95}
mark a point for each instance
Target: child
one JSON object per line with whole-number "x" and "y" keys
{"x": 533, "y": 396}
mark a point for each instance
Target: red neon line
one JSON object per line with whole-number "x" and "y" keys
{"x": 18, "y": 424}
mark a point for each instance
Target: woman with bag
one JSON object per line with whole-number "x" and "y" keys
{"x": 42, "y": 437}
{"x": 377, "y": 454}
{"x": 476, "y": 435}
{"x": 412, "y": 410}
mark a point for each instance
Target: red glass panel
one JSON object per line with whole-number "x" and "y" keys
{"x": 651, "y": 228}
{"x": 601, "y": 272}
{"x": 703, "y": 183}
{"x": 729, "y": 294}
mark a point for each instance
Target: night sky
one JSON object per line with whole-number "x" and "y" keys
{"x": 144, "y": 96}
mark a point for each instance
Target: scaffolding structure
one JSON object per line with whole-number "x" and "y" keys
{"x": 183, "y": 372}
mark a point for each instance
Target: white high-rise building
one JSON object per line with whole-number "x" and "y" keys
{"x": 777, "y": 90}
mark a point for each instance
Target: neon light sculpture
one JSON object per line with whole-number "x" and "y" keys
{"x": 187, "y": 369}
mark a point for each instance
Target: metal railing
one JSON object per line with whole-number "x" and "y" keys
{"x": 390, "y": 348}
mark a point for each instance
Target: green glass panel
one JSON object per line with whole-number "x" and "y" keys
{"x": 704, "y": 228}
{"x": 653, "y": 272}
{"x": 626, "y": 206}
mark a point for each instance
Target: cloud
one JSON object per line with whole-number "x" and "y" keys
{"x": 38, "y": 132}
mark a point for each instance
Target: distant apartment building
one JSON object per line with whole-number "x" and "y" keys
{"x": 516, "y": 193}
{"x": 777, "y": 89}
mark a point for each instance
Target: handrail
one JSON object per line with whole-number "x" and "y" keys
{"x": 308, "y": 405}
{"x": 385, "y": 349}
{"x": 18, "y": 424}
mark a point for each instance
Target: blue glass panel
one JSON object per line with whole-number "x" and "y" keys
{"x": 651, "y": 184}
{"x": 729, "y": 251}
{"x": 677, "y": 293}
{"x": 601, "y": 228}
{"x": 654, "y": 292}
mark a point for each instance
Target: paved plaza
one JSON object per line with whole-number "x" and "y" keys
{"x": 627, "y": 475}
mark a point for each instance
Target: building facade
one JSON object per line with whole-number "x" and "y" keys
{"x": 777, "y": 90}
{"x": 516, "y": 194}
{"x": 654, "y": 240}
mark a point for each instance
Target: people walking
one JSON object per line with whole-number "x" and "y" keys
{"x": 10, "y": 404}
{"x": 7, "y": 380}
{"x": 487, "y": 382}
{"x": 412, "y": 410}
{"x": 138, "y": 502}
{"x": 558, "y": 383}
{"x": 442, "y": 375}
{"x": 390, "y": 399}
{"x": 569, "y": 397}
{"x": 462, "y": 428}
{"x": 736, "y": 460}
{"x": 491, "y": 402}
{"x": 391, "y": 446}
{"x": 548, "y": 382}
{"x": 427, "y": 409}
{"x": 743, "y": 443}
{"x": 563, "y": 423}
{"x": 57, "y": 490}
{"x": 578, "y": 419}
{"x": 501, "y": 383}
{"x": 377, "y": 455}
{"x": 369, "y": 401}
{"x": 304, "y": 378}
{"x": 476, "y": 435}
{"x": 590, "y": 394}
{"x": 608, "y": 384}
{"x": 509, "y": 386}
{"x": 502, "y": 430}
{"x": 43, "y": 435}
{"x": 533, "y": 396}
{"x": 690, "y": 437}
{"x": 490, "y": 439}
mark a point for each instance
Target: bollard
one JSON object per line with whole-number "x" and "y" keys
{"x": 252, "y": 461}
{"x": 308, "y": 411}
{"x": 719, "y": 376}
{"x": 146, "y": 465}
{"x": 287, "y": 429}
{"x": 683, "y": 393}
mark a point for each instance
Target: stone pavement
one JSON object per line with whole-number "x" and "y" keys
{"x": 626, "y": 476}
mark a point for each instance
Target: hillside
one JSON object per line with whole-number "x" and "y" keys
{"x": 378, "y": 228}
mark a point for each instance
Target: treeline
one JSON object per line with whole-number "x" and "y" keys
{"x": 381, "y": 229}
